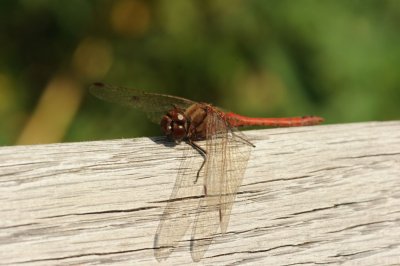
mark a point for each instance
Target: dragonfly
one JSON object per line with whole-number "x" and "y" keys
{"x": 203, "y": 195}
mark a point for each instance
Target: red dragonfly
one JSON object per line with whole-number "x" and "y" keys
{"x": 202, "y": 195}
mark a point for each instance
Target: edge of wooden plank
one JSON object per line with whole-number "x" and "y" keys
{"x": 325, "y": 194}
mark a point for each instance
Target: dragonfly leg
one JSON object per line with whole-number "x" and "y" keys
{"x": 202, "y": 153}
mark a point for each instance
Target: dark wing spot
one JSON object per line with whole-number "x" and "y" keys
{"x": 135, "y": 99}
{"x": 99, "y": 84}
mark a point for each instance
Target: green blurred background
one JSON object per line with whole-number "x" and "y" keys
{"x": 339, "y": 59}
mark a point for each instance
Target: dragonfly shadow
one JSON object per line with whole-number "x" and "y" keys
{"x": 163, "y": 141}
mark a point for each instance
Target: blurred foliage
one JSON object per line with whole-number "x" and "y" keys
{"x": 339, "y": 59}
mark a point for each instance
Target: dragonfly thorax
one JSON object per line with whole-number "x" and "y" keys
{"x": 175, "y": 125}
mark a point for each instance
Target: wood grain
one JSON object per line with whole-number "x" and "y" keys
{"x": 311, "y": 195}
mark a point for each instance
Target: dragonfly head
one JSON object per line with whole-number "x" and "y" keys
{"x": 175, "y": 125}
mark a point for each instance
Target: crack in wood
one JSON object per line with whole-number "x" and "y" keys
{"x": 99, "y": 212}
{"x": 179, "y": 199}
{"x": 362, "y": 225}
{"x": 17, "y": 225}
{"x": 329, "y": 169}
{"x": 304, "y": 244}
{"x": 276, "y": 180}
{"x": 84, "y": 255}
{"x": 369, "y": 155}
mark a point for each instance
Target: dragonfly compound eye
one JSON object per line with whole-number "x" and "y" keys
{"x": 166, "y": 125}
{"x": 179, "y": 132}
{"x": 174, "y": 125}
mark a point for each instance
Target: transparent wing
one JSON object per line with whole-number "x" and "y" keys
{"x": 153, "y": 104}
{"x": 181, "y": 208}
{"x": 238, "y": 153}
{"x": 208, "y": 218}
{"x": 227, "y": 157}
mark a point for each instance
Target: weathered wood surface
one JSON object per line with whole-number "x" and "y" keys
{"x": 311, "y": 195}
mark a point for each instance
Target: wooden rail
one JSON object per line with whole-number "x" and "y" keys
{"x": 311, "y": 195}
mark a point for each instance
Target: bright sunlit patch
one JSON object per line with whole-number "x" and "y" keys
{"x": 92, "y": 58}
{"x": 130, "y": 17}
{"x": 54, "y": 112}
